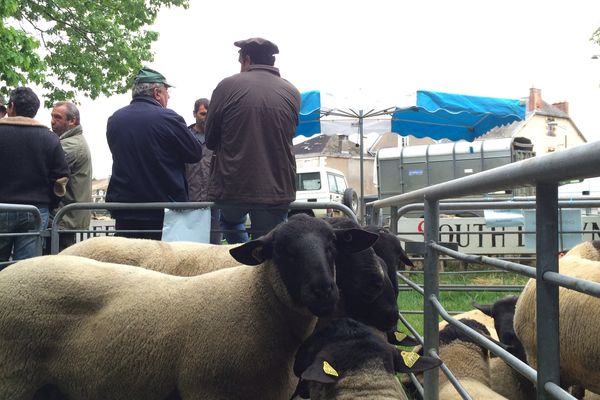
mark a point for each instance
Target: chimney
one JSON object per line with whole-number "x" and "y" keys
{"x": 535, "y": 99}
{"x": 562, "y": 106}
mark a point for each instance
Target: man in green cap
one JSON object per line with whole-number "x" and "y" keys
{"x": 150, "y": 145}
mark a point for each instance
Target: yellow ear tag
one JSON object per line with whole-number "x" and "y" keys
{"x": 329, "y": 370}
{"x": 400, "y": 336}
{"x": 409, "y": 357}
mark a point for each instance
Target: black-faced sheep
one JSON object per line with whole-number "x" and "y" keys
{"x": 175, "y": 258}
{"x": 505, "y": 380}
{"x": 579, "y": 316}
{"x": 347, "y": 360}
{"x": 468, "y": 362}
{"x": 96, "y": 330}
{"x": 362, "y": 275}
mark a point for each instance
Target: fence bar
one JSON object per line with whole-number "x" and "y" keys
{"x": 457, "y": 287}
{"x": 580, "y": 285}
{"x": 411, "y": 284}
{"x": 548, "y": 354}
{"x": 430, "y": 319}
{"x": 557, "y": 392}
{"x": 510, "y": 266}
{"x": 575, "y": 162}
{"x": 511, "y": 360}
{"x": 172, "y": 205}
{"x": 452, "y": 379}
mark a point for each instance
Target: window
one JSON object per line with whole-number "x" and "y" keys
{"x": 308, "y": 181}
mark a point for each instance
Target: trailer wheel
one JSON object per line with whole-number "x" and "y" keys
{"x": 350, "y": 200}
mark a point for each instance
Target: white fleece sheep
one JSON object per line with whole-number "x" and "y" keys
{"x": 579, "y": 316}
{"x": 468, "y": 362}
{"x": 347, "y": 360}
{"x": 87, "y": 329}
{"x": 589, "y": 250}
{"x": 175, "y": 258}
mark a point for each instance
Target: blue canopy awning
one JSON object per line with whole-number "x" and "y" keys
{"x": 309, "y": 120}
{"x": 436, "y": 115}
{"x": 455, "y": 116}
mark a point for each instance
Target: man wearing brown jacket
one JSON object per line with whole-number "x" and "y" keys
{"x": 250, "y": 126}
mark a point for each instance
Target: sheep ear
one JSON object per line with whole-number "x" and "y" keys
{"x": 409, "y": 361}
{"x": 484, "y": 308}
{"x": 354, "y": 240}
{"x": 255, "y": 251}
{"x": 404, "y": 258}
{"x": 401, "y": 339}
{"x": 320, "y": 371}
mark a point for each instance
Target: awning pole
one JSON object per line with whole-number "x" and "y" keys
{"x": 361, "y": 205}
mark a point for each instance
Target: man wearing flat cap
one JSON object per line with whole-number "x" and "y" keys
{"x": 150, "y": 145}
{"x": 250, "y": 126}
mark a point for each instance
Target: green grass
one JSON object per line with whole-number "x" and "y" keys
{"x": 456, "y": 301}
{"x": 453, "y": 301}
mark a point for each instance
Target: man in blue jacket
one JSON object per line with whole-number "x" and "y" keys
{"x": 150, "y": 145}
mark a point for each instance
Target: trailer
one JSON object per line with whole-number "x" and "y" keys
{"x": 404, "y": 169}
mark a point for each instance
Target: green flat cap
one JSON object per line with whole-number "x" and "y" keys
{"x": 258, "y": 44}
{"x": 147, "y": 75}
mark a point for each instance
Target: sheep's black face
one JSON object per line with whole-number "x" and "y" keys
{"x": 381, "y": 312}
{"x": 304, "y": 249}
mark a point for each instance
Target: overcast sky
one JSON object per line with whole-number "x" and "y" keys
{"x": 376, "y": 54}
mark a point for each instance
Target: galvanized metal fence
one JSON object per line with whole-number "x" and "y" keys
{"x": 545, "y": 173}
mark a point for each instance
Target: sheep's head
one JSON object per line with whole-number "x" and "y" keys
{"x": 503, "y": 313}
{"x": 304, "y": 250}
{"x": 389, "y": 248}
{"x": 346, "y": 345}
{"x": 368, "y": 291}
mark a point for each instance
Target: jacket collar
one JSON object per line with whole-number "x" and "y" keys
{"x": 21, "y": 121}
{"x": 269, "y": 68}
{"x": 146, "y": 99}
{"x": 72, "y": 132}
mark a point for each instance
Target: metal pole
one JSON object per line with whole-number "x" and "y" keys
{"x": 362, "y": 183}
{"x": 431, "y": 288}
{"x": 547, "y": 321}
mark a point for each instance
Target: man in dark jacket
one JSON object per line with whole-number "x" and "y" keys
{"x": 250, "y": 126}
{"x": 34, "y": 171}
{"x": 198, "y": 173}
{"x": 150, "y": 145}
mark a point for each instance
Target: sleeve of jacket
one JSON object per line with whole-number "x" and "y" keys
{"x": 213, "y": 119}
{"x": 189, "y": 148}
{"x": 59, "y": 173}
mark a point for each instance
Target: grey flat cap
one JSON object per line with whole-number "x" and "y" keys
{"x": 258, "y": 44}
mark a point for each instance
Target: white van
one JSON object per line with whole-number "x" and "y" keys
{"x": 324, "y": 185}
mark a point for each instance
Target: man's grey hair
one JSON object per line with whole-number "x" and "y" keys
{"x": 72, "y": 110}
{"x": 145, "y": 89}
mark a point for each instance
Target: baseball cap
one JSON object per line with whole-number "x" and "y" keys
{"x": 147, "y": 75}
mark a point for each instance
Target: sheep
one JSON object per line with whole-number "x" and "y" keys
{"x": 468, "y": 362}
{"x": 505, "y": 380}
{"x": 360, "y": 364}
{"x": 89, "y": 329}
{"x": 502, "y": 312}
{"x": 175, "y": 258}
{"x": 389, "y": 248}
{"x": 476, "y": 315}
{"x": 589, "y": 250}
{"x": 579, "y": 316}
{"x": 366, "y": 290}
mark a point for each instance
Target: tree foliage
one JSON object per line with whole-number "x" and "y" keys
{"x": 76, "y": 46}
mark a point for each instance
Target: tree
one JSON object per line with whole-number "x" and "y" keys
{"x": 76, "y": 46}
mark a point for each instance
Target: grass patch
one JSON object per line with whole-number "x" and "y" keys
{"x": 456, "y": 301}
